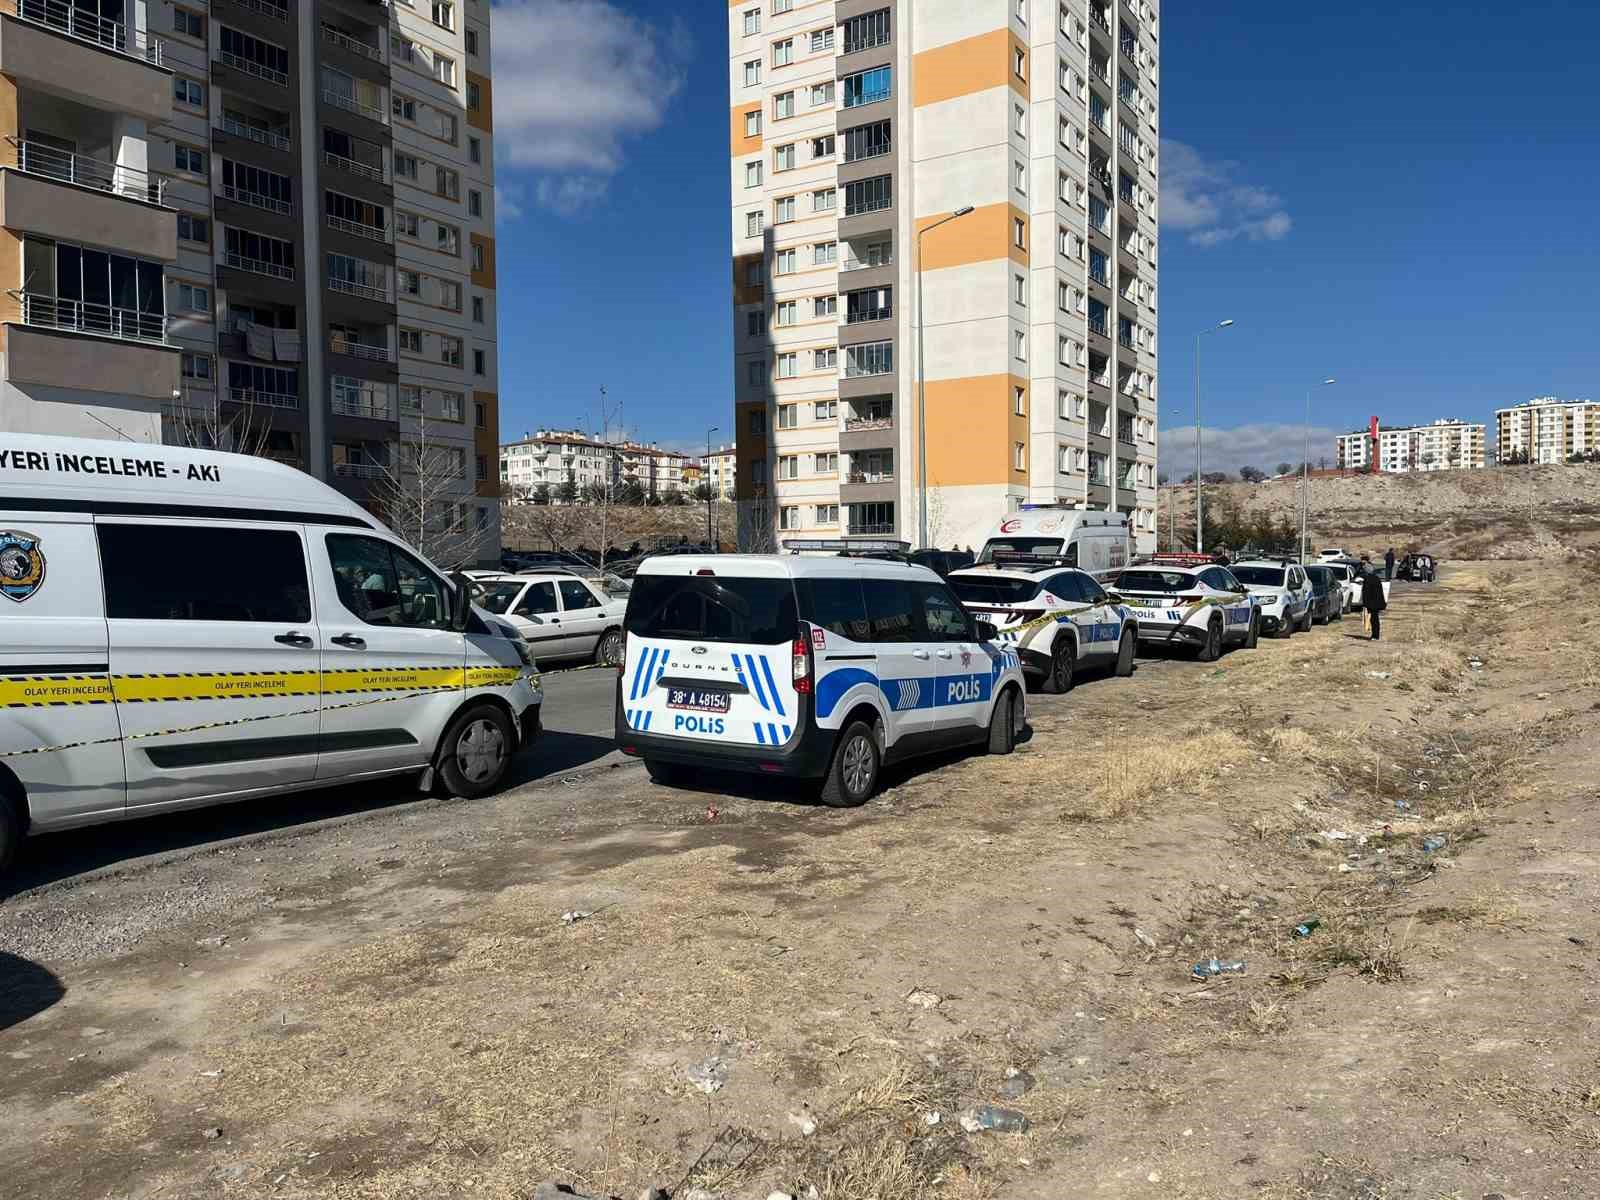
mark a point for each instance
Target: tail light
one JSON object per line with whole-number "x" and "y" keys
{"x": 800, "y": 667}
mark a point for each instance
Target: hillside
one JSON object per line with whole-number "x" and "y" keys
{"x": 1499, "y": 513}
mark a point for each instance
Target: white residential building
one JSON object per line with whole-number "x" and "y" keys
{"x": 1547, "y": 430}
{"x": 1444, "y": 445}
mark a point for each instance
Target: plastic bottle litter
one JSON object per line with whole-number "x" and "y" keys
{"x": 1305, "y": 928}
{"x": 1432, "y": 842}
{"x": 1215, "y": 966}
{"x": 991, "y": 1117}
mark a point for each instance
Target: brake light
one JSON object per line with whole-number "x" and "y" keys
{"x": 800, "y": 667}
{"x": 705, "y": 571}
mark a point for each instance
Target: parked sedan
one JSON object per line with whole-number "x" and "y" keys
{"x": 1327, "y": 594}
{"x": 562, "y": 616}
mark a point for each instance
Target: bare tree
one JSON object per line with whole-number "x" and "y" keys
{"x": 758, "y": 528}
{"x": 424, "y": 499}
{"x": 204, "y": 426}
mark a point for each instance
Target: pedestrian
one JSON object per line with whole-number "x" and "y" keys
{"x": 1388, "y": 564}
{"x": 1372, "y": 601}
{"x": 1362, "y": 572}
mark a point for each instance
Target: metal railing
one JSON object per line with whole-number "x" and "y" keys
{"x": 363, "y": 408}
{"x": 47, "y": 162}
{"x": 1098, "y": 16}
{"x": 862, "y": 264}
{"x": 255, "y": 396}
{"x": 1101, "y": 69}
{"x": 88, "y": 27}
{"x": 340, "y": 38}
{"x": 265, "y": 137}
{"x": 344, "y": 345}
{"x": 862, "y": 315}
{"x": 358, "y": 470}
{"x": 360, "y": 107}
{"x": 860, "y": 424}
{"x": 251, "y": 67}
{"x": 871, "y": 530}
{"x": 1100, "y": 277}
{"x": 256, "y": 199}
{"x": 870, "y": 477}
{"x": 257, "y": 266}
{"x": 367, "y": 290}
{"x": 265, "y": 7}
{"x": 128, "y": 324}
{"x": 1124, "y": 338}
{"x": 357, "y": 229}
{"x": 340, "y": 162}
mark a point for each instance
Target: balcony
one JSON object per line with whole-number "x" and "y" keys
{"x": 253, "y": 397}
{"x": 366, "y": 409}
{"x": 257, "y": 266}
{"x": 101, "y": 320}
{"x": 350, "y": 470}
{"x": 372, "y": 233}
{"x": 1099, "y": 17}
{"x": 366, "y": 291}
{"x": 339, "y": 343}
{"x": 1098, "y": 325}
{"x": 71, "y": 197}
{"x": 88, "y": 26}
{"x": 337, "y": 37}
{"x": 80, "y": 170}
{"x": 880, "y": 476}
{"x": 867, "y": 424}
{"x": 83, "y": 58}
{"x": 257, "y": 200}
{"x": 248, "y": 66}
{"x": 252, "y": 133}
{"x": 360, "y": 107}
{"x": 265, "y": 7}
{"x": 377, "y": 174}
{"x": 870, "y": 529}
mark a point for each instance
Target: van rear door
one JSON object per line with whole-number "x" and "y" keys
{"x": 709, "y": 655}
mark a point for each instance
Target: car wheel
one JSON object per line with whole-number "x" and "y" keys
{"x": 1254, "y": 636}
{"x": 1309, "y": 620}
{"x": 664, "y": 774}
{"x": 1338, "y": 612}
{"x": 609, "y": 650}
{"x": 1286, "y": 626}
{"x": 476, "y": 752}
{"x": 1002, "y": 723}
{"x": 1126, "y": 649}
{"x": 1063, "y": 665}
{"x": 1211, "y": 649}
{"x": 853, "y": 774}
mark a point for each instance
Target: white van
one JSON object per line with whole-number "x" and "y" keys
{"x": 183, "y": 627}
{"x": 820, "y": 668}
{"x": 1096, "y": 542}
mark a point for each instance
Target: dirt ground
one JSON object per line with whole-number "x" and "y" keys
{"x": 404, "y": 1013}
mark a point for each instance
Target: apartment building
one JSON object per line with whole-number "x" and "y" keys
{"x": 1027, "y": 132}
{"x": 551, "y": 458}
{"x": 719, "y": 470}
{"x": 265, "y": 218}
{"x": 1547, "y": 430}
{"x": 1443, "y": 445}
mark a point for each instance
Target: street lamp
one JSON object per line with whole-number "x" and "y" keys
{"x": 1305, "y": 471}
{"x": 922, "y": 385}
{"x": 710, "y": 537}
{"x": 1199, "y": 512}
{"x": 1172, "y": 504}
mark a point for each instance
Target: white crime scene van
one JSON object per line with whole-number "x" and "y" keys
{"x": 817, "y": 668}
{"x": 184, "y": 627}
{"x": 1096, "y": 542}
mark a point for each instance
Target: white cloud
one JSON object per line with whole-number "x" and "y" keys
{"x": 508, "y": 200}
{"x": 1204, "y": 198}
{"x": 1261, "y": 445}
{"x": 574, "y": 80}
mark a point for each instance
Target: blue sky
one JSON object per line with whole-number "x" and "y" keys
{"x": 1399, "y": 196}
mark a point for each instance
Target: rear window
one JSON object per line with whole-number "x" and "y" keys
{"x": 1260, "y": 576}
{"x": 1154, "y": 581}
{"x": 1049, "y": 547}
{"x": 972, "y": 589}
{"x": 713, "y": 608}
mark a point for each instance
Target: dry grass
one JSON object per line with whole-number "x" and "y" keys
{"x": 1134, "y": 777}
{"x": 1569, "y": 1115}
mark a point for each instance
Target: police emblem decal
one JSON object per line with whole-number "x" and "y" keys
{"x": 21, "y": 564}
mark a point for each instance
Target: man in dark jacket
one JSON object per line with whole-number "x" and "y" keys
{"x": 1388, "y": 564}
{"x": 1372, "y": 599}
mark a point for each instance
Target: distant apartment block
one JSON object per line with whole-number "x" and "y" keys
{"x": 542, "y": 464}
{"x": 1547, "y": 430}
{"x": 719, "y": 469}
{"x": 1444, "y": 445}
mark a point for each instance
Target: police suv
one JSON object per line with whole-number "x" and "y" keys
{"x": 1057, "y": 618}
{"x": 185, "y": 627}
{"x": 1281, "y": 591}
{"x": 1190, "y": 603}
{"x": 818, "y": 668}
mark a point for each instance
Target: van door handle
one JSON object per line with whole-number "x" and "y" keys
{"x": 944, "y": 654}
{"x": 349, "y": 639}
{"x": 923, "y": 654}
{"x": 293, "y": 638}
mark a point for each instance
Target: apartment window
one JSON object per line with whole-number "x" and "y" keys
{"x": 1019, "y": 456}
{"x": 788, "y": 312}
{"x": 1019, "y": 289}
{"x": 783, "y": 105}
{"x": 474, "y": 150}
{"x": 866, "y": 141}
{"x": 783, "y": 262}
{"x": 479, "y": 257}
{"x": 193, "y": 229}
{"x": 788, "y": 418}
{"x": 752, "y": 21}
{"x": 480, "y": 415}
{"x": 405, "y": 165}
{"x": 788, "y": 365}
{"x": 788, "y": 466}
{"x": 821, "y": 93}
{"x": 824, "y": 253}
{"x": 449, "y": 295}
{"x": 1019, "y": 120}
{"x": 407, "y": 223}
{"x": 822, "y": 147}
{"x": 783, "y": 158}
{"x": 752, "y": 123}
{"x": 827, "y": 514}
{"x": 867, "y": 87}
{"x": 1064, "y": 352}
{"x": 752, "y": 174}
{"x": 783, "y": 52}
{"x": 193, "y": 299}
{"x": 1064, "y": 459}
{"x": 197, "y": 367}
{"x": 188, "y": 91}
{"x": 446, "y": 183}
{"x": 474, "y": 96}
{"x": 752, "y": 73}
{"x": 755, "y": 323}
{"x": 824, "y": 306}
{"x": 870, "y": 358}
{"x": 411, "y": 341}
{"x": 825, "y": 410}
{"x": 1019, "y": 344}
{"x": 752, "y": 274}
{"x": 255, "y": 57}
{"x": 783, "y": 210}
{"x": 756, "y": 374}
{"x": 449, "y": 350}
{"x": 444, "y": 14}
{"x": 864, "y": 32}
{"x": 823, "y": 200}
{"x": 869, "y": 304}
{"x": 826, "y": 359}
{"x": 826, "y": 463}
{"x": 474, "y": 203}
{"x": 190, "y": 24}
{"x": 444, "y": 70}
{"x": 868, "y": 195}
{"x": 1019, "y": 63}
{"x": 477, "y": 309}
{"x": 1019, "y": 177}
{"x": 1063, "y": 187}
{"x": 1019, "y": 233}
{"x": 472, "y": 42}
{"x": 779, "y": 7}
{"x": 758, "y": 470}
{"x": 754, "y": 222}
{"x": 788, "y": 514}
{"x": 480, "y": 362}
{"x": 189, "y": 158}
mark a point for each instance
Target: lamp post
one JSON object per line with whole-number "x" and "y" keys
{"x": 1172, "y": 504}
{"x": 922, "y": 386}
{"x": 1305, "y": 472}
{"x": 1199, "y": 512}
{"x": 710, "y": 537}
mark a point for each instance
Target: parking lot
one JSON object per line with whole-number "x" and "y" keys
{"x": 368, "y": 994}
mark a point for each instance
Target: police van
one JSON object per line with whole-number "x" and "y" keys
{"x": 184, "y": 627}
{"x": 817, "y": 668}
{"x": 1096, "y": 542}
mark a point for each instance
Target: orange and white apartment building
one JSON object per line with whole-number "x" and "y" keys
{"x": 855, "y": 126}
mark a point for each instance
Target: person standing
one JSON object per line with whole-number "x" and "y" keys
{"x": 1372, "y": 601}
{"x": 1388, "y": 564}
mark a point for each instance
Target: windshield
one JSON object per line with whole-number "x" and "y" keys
{"x": 980, "y": 590}
{"x": 497, "y": 597}
{"x": 712, "y": 608}
{"x": 1319, "y": 579}
{"x": 1020, "y": 545}
{"x": 1260, "y": 576}
{"x": 1154, "y": 581}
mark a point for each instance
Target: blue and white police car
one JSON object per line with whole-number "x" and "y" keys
{"x": 1058, "y": 619}
{"x": 1188, "y": 600}
{"x": 1281, "y": 590}
{"x": 821, "y": 668}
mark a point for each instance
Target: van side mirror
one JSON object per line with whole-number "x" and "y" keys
{"x": 460, "y": 601}
{"x": 987, "y": 632}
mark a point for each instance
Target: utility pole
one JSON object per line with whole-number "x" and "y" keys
{"x": 1305, "y": 473}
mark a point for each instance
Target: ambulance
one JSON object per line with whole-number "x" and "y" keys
{"x": 185, "y": 627}
{"x": 819, "y": 668}
{"x": 1096, "y": 542}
